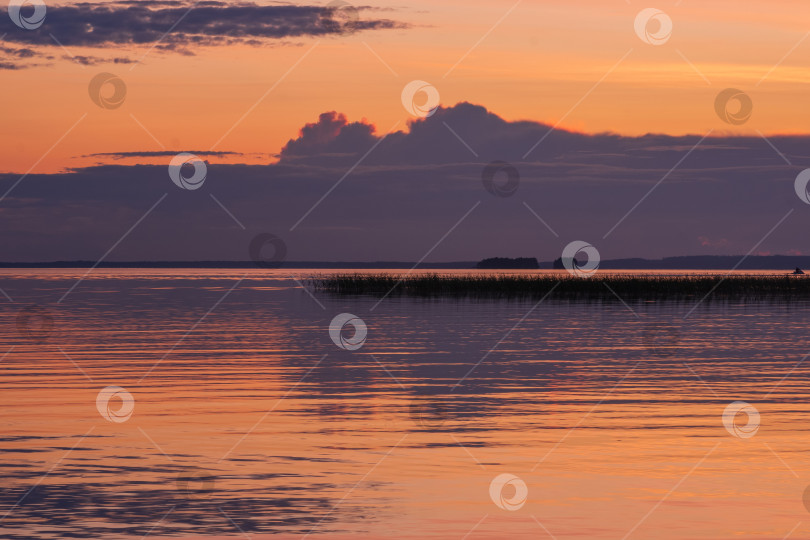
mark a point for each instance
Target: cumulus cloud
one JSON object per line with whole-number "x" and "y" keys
{"x": 332, "y": 134}
{"x": 367, "y": 196}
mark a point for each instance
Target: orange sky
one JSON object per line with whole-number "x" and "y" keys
{"x": 537, "y": 64}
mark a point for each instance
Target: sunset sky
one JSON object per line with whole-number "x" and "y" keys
{"x": 246, "y": 78}
{"x": 534, "y": 65}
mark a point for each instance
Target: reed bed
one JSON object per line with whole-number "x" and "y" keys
{"x": 627, "y": 287}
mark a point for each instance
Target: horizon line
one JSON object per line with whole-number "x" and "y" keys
{"x": 387, "y": 264}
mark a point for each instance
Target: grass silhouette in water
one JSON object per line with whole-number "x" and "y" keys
{"x": 563, "y": 286}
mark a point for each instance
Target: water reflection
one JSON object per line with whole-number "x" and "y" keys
{"x": 256, "y": 422}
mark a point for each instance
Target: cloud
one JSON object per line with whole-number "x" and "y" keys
{"x": 177, "y": 27}
{"x": 95, "y": 60}
{"x": 162, "y": 153}
{"x": 15, "y": 58}
{"x": 343, "y": 190}
{"x": 332, "y": 134}
{"x": 18, "y": 52}
{"x": 185, "y": 25}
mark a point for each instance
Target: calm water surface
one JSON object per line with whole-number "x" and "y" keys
{"x": 249, "y": 421}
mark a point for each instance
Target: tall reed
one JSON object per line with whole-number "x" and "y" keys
{"x": 606, "y": 286}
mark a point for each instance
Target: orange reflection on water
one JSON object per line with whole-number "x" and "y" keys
{"x": 255, "y": 423}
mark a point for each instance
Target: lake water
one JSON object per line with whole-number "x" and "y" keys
{"x": 237, "y": 415}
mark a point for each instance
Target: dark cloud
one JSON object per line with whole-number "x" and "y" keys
{"x": 18, "y": 52}
{"x": 95, "y": 60}
{"x": 180, "y": 26}
{"x": 14, "y": 58}
{"x": 331, "y": 134}
{"x": 414, "y": 186}
{"x": 162, "y": 153}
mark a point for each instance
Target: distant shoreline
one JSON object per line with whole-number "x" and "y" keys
{"x": 776, "y": 263}
{"x": 239, "y": 265}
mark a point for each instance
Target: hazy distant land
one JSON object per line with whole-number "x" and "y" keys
{"x": 693, "y": 262}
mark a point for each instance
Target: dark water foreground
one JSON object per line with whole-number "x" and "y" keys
{"x": 236, "y": 414}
